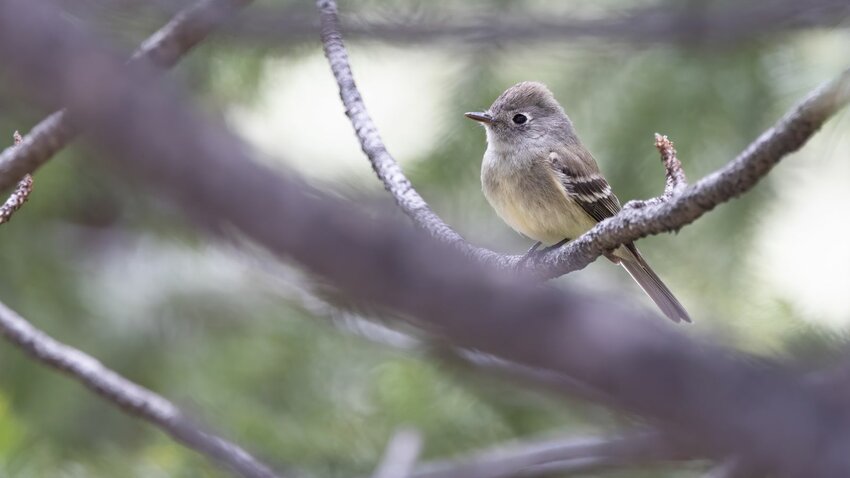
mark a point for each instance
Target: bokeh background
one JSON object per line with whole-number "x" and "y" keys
{"x": 242, "y": 340}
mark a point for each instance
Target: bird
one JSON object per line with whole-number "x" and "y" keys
{"x": 544, "y": 183}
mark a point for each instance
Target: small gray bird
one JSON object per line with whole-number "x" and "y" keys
{"x": 542, "y": 181}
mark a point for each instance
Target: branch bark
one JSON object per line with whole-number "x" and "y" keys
{"x": 162, "y": 49}
{"x": 128, "y": 396}
{"x": 728, "y": 403}
{"x": 675, "y": 180}
{"x": 21, "y": 193}
{"x": 671, "y": 212}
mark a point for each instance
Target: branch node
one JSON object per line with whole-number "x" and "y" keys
{"x": 676, "y": 180}
{"x": 21, "y": 193}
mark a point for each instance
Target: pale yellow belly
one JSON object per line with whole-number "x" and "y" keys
{"x": 527, "y": 195}
{"x": 549, "y": 224}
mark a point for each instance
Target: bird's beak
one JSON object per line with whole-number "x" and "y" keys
{"x": 485, "y": 118}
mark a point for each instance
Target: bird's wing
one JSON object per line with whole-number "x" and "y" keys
{"x": 582, "y": 181}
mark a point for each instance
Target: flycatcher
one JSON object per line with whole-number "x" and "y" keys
{"x": 542, "y": 181}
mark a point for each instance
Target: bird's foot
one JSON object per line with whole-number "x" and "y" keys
{"x": 533, "y": 251}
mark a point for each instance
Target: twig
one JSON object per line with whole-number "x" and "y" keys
{"x": 127, "y": 395}
{"x": 675, "y": 180}
{"x": 21, "y": 193}
{"x": 560, "y": 456}
{"x": 400, "y": 456}
{"x": 726, "y": 402}
{"x": 162, "y": 49}
{"x": 691, "y": 24}
{"x": 656, "y": 216}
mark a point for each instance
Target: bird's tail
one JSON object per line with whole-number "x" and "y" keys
{"x": 640, "y": 271}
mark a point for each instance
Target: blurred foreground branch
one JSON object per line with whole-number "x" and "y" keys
{"x": 522, "y": 458}
{"x": 127, "y": 395}
{"x": 670, "y": 212}
{"x": 560, "y": 456}
{"x": 728, "y": 403}
{"x": 704, "y": 24}
{"x": 162, "y": 49}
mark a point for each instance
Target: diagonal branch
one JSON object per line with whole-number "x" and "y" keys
{"x": 740, "y": 175}
{"x": 162, "y": 49}
{"x": 561, "y": 457}
{"x": 127, "y": 395}
{"x": 674, "y": 210}
{"x": 385, "y": 166}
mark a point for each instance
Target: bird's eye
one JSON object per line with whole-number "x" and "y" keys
{"x": 520, "y": 118}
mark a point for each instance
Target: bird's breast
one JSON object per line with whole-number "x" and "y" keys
{"x": 528, "y": 197}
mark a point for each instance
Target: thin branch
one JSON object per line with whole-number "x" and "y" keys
{"x": 127, "y": 395}
{"x": 385, "y": 166}
{"x": 668, "y": 214}
{"x": 401, "y": 455}
{"x": 726, "y": 402}
{"x": 675, "y": 180}
{"x": 162, "y": 49}
{"x": 560, "y": 456}
{"x": 21, "y": 193}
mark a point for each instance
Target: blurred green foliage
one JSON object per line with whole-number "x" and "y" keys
{"x": 114, "y": 271}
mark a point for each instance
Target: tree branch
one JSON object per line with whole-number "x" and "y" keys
{"x": 560, "y": 456}
{"x": 385, "y": 166}
{"x": 21, "y": 193}
{"x": 162, "y": 49}
{"x": 669, "y": 213}
{"x": 788, "y": 135}
{"x": 127, "y": 395}
{"x": 726, "y": 402}
{"x": 675, "y": 180}
{"x": 400, "y": 456}
{"x": 701, "y": 24}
